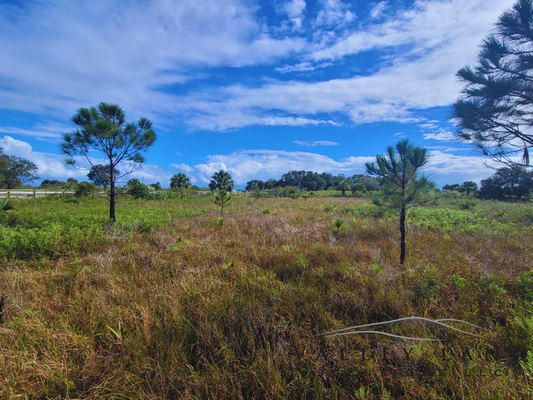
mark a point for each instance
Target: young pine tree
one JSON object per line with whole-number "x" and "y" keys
{"x": 402, "y": 188}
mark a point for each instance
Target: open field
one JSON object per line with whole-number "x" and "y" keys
{"x": 172, "y": 303}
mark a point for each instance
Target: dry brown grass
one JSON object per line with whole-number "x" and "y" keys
{"x": 197, "y": 310}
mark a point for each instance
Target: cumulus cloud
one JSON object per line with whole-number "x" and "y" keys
{"x": 448, "y": 168}
{"x": 52, "y": 166}
{"x": 246, "y": 165}
{"x": 294, "y": 9}
{"x": 431, "y": 130}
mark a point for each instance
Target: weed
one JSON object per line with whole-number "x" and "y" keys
{"x": 525, "y": 284}
{"x": 338, "y": 224}
{"x": 301, "y": 261}
{"x": 331, "y": 208}
{"x": 6, "y": 205}
{"x": 427, "y": 286}
{"x": 527, "y": 366}
{"x": 458, "y": 283}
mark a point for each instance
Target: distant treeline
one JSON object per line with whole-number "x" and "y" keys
{"x": 313, "y": 181}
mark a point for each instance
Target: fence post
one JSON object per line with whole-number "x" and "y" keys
{"x": 8, "y": 195}
{"x": 34, "y": 194}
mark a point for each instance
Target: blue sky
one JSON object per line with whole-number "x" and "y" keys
{"x": 255, "y": 88}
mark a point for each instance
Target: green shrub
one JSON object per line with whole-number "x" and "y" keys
{"x": 427, "y": 286}
{"x": 350, "y": 210}
{"x": 458, "y": 282}
{"x": 6, "y": 205}
{"x": 338, "y": 224}
{"x": 301, "y": 261}
{"x": 466, "y": 205}
{"x": 85, "y": 189}
{"x": 138, "y": 190}
{"x": 331, "y": 208}
{"x": 525, "y": 284}
{"x": 369, "y": 210}
{"x": 266, "y": 211}
{"x": 527, "y": 366}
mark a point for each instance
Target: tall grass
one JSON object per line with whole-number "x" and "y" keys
{"x": 169, "y": 303}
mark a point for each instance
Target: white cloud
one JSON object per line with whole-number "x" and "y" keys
{"x": 315, "y": 143}
{"x": 246, "y": 165}
{"x": 255, "y": 164}
{"x": 125, "y": 54}
{"x": 294, "y": 9}
{"x": 39, "y": 131}
{"x": 436, "y": 132}
{"x": 302, "y": 67}
{"x": 52, "y": 166}
{"x": 226, "y": 116}
{"x": 377, "y": 10}
{"x": 441, "y": 36}
{"x": 449, "y": 168}
{"x": 425, "y": 25}
{"x": 334, "y": 12}
{"x": 60, "y": 55}
{"x": 442, "y": 135}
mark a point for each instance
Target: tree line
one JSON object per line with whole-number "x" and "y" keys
{"x": 508, "y": 183}
{"x": 313, "y": 181}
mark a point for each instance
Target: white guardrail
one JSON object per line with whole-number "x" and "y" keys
{"x": 29, "y": 193}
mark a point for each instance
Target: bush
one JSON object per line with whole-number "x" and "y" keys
{"x": 338, "y": 224}
{"x": 358, "y": 194}
{"x": 466, "y": 205}
{"x": 350, "y": 210}
{"x": 6, "y": 205}
{"x": 138, "y": 190}
{"x": 331, "y": 208}
{"x": 85, "y": 189}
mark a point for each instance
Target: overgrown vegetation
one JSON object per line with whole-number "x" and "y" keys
{"x": 171, "y": 303}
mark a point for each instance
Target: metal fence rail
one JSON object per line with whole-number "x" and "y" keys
{"x": 29, "y": 193}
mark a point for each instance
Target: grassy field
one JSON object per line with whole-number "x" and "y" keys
{"x": 173, "y": 302}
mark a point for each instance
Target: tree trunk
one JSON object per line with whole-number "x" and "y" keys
{"x": 402, "y": 234}
{"x": 112, "y": 195}
{"x": 343, "y": 192}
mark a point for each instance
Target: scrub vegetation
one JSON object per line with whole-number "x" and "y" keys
{"x": 171, "y": 303}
